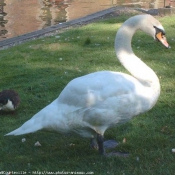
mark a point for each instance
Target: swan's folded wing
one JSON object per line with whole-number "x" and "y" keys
{"x": 94, "y": 88}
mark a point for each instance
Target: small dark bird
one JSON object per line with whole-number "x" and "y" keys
{"x": 9, "y": 100}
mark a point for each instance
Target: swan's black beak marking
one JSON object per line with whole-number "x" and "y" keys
{"x": 160, "y": 36}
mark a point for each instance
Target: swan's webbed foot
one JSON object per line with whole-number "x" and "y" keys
{"x": 109, "y": 144}
{"x": 117, "y": 154}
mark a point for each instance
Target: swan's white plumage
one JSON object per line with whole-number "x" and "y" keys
{"x": 90, "y": 104}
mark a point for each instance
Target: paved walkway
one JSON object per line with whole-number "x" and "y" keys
{"x": 45, "y": 31}
{"x": 29, "y": 36}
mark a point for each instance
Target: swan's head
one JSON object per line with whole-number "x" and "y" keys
{"x": 153, "y": 27}
{"x": 160, "y": 36}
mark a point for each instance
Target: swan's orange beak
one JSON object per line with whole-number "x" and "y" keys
{"x": 161, "y": 37}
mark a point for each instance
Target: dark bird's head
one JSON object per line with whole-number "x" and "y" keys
{"x": 3, "y": 101}
{"x": 9, "y": 100}
{"x": 6, "y": 105}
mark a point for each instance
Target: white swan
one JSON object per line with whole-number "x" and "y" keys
{"x": 91, "y": 104}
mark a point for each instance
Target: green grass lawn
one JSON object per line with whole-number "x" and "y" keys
{"x": 39, "y": 70}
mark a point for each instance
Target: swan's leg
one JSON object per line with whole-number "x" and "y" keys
{"x": 108, "y": 144}
{"x": 100, "y": 140}
{"x": 94, "y": 144}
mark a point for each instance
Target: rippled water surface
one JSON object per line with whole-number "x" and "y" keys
{"x": 23, "y": 16}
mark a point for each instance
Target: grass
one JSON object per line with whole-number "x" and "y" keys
{"x": 40, "y": 69}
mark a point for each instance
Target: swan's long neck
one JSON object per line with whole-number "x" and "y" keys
{"x": 129, "y": 60}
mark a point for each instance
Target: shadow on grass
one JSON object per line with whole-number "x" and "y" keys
{"x": 40, "y": 70}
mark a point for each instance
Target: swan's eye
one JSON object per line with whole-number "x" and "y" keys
{"x": 160, "y": 36}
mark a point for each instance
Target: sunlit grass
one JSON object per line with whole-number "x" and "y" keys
{"x": 39, "y": 70}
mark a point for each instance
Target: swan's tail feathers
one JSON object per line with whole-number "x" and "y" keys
{"x": 26, "y": 128}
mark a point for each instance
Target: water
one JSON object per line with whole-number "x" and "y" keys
{"x": 18, "y": 17}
